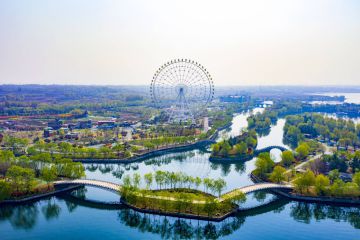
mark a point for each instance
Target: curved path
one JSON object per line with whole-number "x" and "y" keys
{"x": 116, "y": 187}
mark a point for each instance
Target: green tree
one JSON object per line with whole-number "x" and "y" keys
{"x": 136, "y": 180}
{"x": 303, "y": 150}
{"x": 264, "y": 165}
{"x": 219, "y": 185}
{"x": 277, "y": 174}
{"x": 322, "y": 184}
{"x": 287, "y": 158}
{"x": 304, "y": 181}
{"x": 148, "y": 179}
{"x": 48, "y": 174}
{"x": 334, "y": 175}
{"x": 356, "y": 178}
{"x": 5, "y": 190}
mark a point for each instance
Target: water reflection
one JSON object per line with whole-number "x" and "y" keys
{"x": 305, "y": 212}
{"x": 174, "y": 228}
{"x": 27, "y": 217}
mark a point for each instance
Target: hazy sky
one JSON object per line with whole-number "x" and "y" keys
{"x": 123, "y": 42}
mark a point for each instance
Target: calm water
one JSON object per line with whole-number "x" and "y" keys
{"x": 349, "y": 97}
{"x": 67, "y": 217}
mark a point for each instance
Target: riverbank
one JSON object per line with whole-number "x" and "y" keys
{"x": 181, "y": 215}
{"x": 38, "y": 196}
{"x": 312, "y": 199}
{"x": 154, "y": 153}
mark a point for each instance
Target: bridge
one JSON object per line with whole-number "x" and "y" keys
{"x": 269, "y": 148}
{"x": 233, "y": 193}
{"x": 254, "y": 188}
{"x": 113, "y": 187}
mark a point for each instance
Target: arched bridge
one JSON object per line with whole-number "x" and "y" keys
{"x": 269, "y": 148}
{"x": 90, "y": 182}
{"x": 254, "y": 188}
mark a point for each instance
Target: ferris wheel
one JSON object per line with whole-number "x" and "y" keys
{"x": 183, "y": 87}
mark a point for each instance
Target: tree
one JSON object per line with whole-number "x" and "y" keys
{"x": 219, "y": 185}
{"x": 148, "y": 179}
{"x": 304, "y": 181}
{"x": 197, "y": 182}
{"x": 322, "y": 184}
{"x": 48, "y": 174}
{"x": 21, "y": 178}
{"x": 241, "y": 148}
{"x": 208, "y": 183}
{"x": 5, "y": 190}
{"x": 278, "y": 174}
{"x": 264, "y": 164}
{"x": 136, "y": 180}
{"x": 287, "y": 158}
{"x": 355, "y": 163}
{"x": 356, "y": 178}
{"x": 303, "y": 150}
{"x": 159, "y": 178}
{"x": 215, "y": 148}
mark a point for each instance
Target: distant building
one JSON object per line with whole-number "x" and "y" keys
{"x": 106, "y": 124}
{"x": 84, "y": 124}
{"x": 235, "y": 98}
{"x": 56, "y": 124}
{"x": 49, "y": 132}
{"x": 72, "y": 135}
{"x": 206, "y": 124}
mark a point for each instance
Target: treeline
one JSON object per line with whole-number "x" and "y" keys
{"x": 244, "y": 144}
{"x": 312, "y": 125}
{"x": 155, "y": 143}
{"x": 173, "y": 180}
{"x": 24, "y": 175}
{"x": 320, "y": 185}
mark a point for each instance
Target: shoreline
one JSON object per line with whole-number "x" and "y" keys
{"x": 180, "y": 215}
{"x": 38, "y": 197}
{"x": 312, "y": 199}
{"x": 149, "y": 154}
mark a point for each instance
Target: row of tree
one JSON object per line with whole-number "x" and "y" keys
{"x": 174, "y": 180}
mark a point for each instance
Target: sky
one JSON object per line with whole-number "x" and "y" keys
{"x": 123, "y": 42}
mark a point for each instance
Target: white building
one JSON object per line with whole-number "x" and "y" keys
{"x": 206, "y": 124}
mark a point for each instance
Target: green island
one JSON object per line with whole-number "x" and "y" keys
{"x": 175, "y": 195}
{"x": 241, "y": 147}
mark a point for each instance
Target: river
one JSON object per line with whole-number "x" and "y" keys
{"x": 72, "y": 218}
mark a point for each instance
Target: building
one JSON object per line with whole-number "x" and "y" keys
{"x": 72, "y": 135}
{"x": 84, "y": 124}
{"x": 106, "y": 124}
{"x": 56, "y": 124}
{"x": 206, "y": 124}
{"x": 49, "y": 132}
